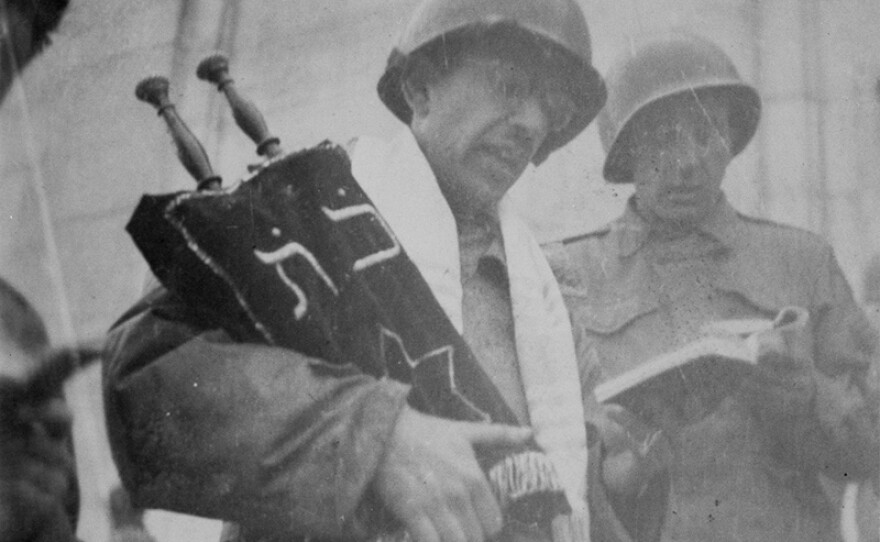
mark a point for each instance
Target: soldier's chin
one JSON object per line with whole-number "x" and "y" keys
{"x": 685, "y": 214}
{"x": 497, "y": 181}
{"x": 488, "y": 200}
{"x": 475, "y": 203}
{"x": 500, "y": 170}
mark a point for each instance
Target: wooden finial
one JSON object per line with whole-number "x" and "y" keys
{"x": 215, "y": 69}
{"x": 154, "y": 91}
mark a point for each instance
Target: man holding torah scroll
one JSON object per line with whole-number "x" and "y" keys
{"x": 287, "y": 444}
{"x": 681, "y": 257}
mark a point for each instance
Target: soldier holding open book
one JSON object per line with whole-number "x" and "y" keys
{"x": 681, "y": 257}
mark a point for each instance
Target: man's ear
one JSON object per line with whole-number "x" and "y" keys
{"x": 416, "y": 83}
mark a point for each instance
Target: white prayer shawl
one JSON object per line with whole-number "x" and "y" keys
{"x": 402, "y": 186}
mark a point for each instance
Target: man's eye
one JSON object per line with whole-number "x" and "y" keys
{"x": 663, "y": 135}
{"x": 559, "y": 100}
{"x": 561, "y": 109}
{"x": 515, "y": 88}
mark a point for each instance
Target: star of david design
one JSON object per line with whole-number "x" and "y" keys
{"x": 432, "y": 376}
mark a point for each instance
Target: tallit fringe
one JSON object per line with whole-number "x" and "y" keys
{"x": 528, "y": 475}
{"x": 574, "y": 527}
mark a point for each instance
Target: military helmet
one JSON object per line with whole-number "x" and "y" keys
{"x": 556, "y": 27}
{"x": 656, "y": 69}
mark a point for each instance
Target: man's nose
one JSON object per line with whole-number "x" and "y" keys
{"x": 688, "y": 155}
{"x": 530, "y": 114}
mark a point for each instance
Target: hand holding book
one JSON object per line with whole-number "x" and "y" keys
{"x": 686, "y": 384}
{"x": 782, "y": 382}
{"x": 633, "y": 452}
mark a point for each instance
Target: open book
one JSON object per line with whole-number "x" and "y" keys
{"x": 707, "y": 369}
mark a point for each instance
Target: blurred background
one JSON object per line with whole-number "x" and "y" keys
{"x": 77, "y": 150}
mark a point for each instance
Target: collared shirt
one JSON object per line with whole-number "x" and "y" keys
{"x": 721, "y": 230}
{"x": 635, "y": 293}
{"x": 488, "y": 319}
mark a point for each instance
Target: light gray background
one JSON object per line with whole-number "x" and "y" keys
{"x": 77, "y": 150}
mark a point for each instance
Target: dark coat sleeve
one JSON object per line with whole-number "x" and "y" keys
{"x": 262, "y": 436}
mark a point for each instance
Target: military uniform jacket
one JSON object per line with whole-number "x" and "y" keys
{"x": 742, "y": 472}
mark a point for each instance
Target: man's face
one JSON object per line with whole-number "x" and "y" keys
{"x": 481, "y": 123}
{"x": 680, "y": 149}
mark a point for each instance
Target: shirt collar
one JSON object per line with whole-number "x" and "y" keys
{"x": 633, "y": 231}
{"x": 480, "y": 240}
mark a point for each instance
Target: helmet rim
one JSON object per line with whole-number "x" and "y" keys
{"x": 741, "y": 99}
{"x": 658, "y": 68}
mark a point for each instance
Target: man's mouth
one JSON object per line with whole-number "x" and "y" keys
{"x": 511, "y": 157}
{"x": 684, "y": 195}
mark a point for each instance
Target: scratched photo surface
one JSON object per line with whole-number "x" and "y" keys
{"x": 78, "y": 150}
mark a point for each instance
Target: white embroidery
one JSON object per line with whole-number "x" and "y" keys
{"x": 347, "y": 213}
{"x": 203, "y": 255}
{"x": 444, "y": 354}
{"x": 290, "y": 250}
